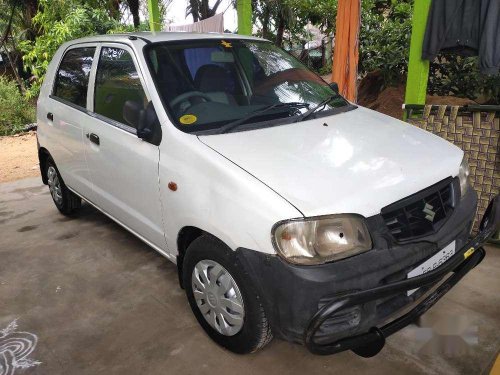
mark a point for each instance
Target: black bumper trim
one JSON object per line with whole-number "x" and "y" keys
{"x": 370, "y": 343}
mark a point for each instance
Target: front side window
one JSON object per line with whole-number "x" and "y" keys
{"x": 117, "y": 81}
{"x": 211, "y": 86}
{"x": 73, "y": 76}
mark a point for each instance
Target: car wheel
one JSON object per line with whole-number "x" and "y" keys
{"x": 65, "y": 200}
{"x": 223, "y": 298}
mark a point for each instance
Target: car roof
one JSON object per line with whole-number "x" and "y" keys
{"x": 154, "y": 37}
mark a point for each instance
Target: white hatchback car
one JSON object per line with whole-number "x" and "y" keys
{"x": 289, "y": 211}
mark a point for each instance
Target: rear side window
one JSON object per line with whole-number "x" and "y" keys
{"x": 116, "y": 82}
{"x": 73, "y": 76}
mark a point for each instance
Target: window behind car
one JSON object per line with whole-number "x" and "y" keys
{"x": 116, "y": 82}
{"x": 72, "y": 77}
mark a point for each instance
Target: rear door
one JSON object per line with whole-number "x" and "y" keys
{"x": 123, "y": 168}
{"x": 65, "y": 112}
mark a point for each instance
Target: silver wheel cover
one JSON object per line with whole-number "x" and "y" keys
{"x": 218, "y": 297}
{"x": 54, "y": 185}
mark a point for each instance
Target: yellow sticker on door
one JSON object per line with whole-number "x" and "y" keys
{"x": 188, "y": 119}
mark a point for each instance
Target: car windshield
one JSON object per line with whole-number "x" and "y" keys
{"x": 223, "y": 85}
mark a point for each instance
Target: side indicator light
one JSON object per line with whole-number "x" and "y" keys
{"x": 172, "y": 186}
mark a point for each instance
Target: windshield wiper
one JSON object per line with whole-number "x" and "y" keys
{"x": 233, "y": 124}
{"x": 310, "y": 111}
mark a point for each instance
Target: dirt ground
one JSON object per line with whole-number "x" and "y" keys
{"x": 390, "y": 101}
{"x": 18, "y": 157}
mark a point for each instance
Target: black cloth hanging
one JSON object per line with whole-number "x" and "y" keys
{"x": 467, "y": 28}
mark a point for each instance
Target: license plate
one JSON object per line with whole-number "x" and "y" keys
{"x": 432, "y": 263}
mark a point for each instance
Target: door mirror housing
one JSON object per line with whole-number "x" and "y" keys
{"x": 334, "y": 86}
{"x": 132, "y": 112}
{"x": 144, "y": 120}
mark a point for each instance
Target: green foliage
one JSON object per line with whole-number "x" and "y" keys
{"x": 385, "y": 44}
{"x": 60, "y": 21}
{"x": 325, "y": 70}
{"x": 384, "y": 40}
{"x": 294, "y": 15}
{"x": 459, "y": 76}
{"x": 320, "y": 13}
{"x": 15, "y": 110}
{"x": 122, "y": 28}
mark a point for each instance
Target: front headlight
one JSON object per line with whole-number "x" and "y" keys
{"x": 463, "y": 176}
{"x": 321, "y": 239}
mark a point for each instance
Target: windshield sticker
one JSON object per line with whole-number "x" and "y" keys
{"x": 188, "y": 119}
{"x": 226, "y": 44}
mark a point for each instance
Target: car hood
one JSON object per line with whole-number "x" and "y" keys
{"x": 354, "y": 162}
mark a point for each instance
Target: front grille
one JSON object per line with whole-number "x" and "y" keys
{"x": 422, "y": 213}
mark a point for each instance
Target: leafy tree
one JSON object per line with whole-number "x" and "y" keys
{"x": 15, "y": 110}
{"x": 277, "y": 18}
{"x": 459, "y": 76}
{"x": 60, "y": 21}
{"x": 16, "y": 24}
{"x": 384, "y": 40}
{"x": 285, "y": 20}
{"x": 385, "y": 45}
{"x": 320, "y": 13}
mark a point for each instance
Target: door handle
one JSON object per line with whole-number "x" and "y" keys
{"x": 50, "y": 116}
{"x": 94, "y": 138}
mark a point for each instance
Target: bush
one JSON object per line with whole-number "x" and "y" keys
{"x": 459, "y": 76}
{"x": 384, "y": 44}
{"x": 384, "y": 40}
{"x": 15, "y": 110}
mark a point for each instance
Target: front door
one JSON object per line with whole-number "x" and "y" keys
{"x": 123, "y": 167}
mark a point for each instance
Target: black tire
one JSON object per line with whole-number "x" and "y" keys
{"x": 70, "y": 202}
{"x": 255, "y": 332}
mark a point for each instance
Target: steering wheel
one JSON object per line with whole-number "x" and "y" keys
{"x": 187, "y": 95}
{"x": 289, "y": 75}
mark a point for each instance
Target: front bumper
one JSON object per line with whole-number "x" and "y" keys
{"x": 339, "y": 306}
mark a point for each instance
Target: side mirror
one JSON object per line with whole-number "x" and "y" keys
{"x": 334, "y": 86}
{"x": 132, "y": 112}
{"x": 144, "y": 120}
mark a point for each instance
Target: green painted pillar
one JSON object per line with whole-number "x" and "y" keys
{"x": 418, "y": 69}
{"x": 154, "y": 15}
{"x": 244, "y": 9}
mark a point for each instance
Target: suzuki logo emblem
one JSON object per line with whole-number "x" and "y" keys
{"x": 429, "y": 214}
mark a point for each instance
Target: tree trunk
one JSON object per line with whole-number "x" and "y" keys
{"x": 280, "y": 31}
{"x": 30, "y": 10}
{"x": 3, "y": 42}
{"x": 323, "y": 54}
{"x": 133, "y": 5}
{"x": 13, "y": 66}
{"x": 9, "y": 26}
{"x": 265, "y": 22}
{"x": 204, "y": 10}
{"x": 195, "y": 10}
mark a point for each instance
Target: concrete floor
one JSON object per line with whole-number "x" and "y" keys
{"x": 102, "y": 302}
